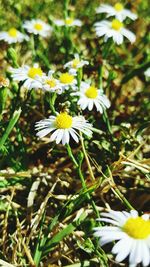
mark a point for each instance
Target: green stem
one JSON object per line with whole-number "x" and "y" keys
{"x": 52, "y": 102}
{"x": 106, "y": 120}
{"x": 71, "y": 156}
{"x": 79, "y": 77}
{"x": 107, "y": 48}
{"x": 100, "y": 75}
{"x": 78, "y": 167}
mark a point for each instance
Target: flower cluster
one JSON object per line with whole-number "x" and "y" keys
{"x": 88, "y": 97}
{"x": 36, "y": 27}
{"x": 115, "y": 28}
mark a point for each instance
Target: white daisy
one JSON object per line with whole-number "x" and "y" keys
{"x": 50, "y": 84}
{"x": 133, "y": 233}
{"x": 114, "y": 29}
{"x": 68, "y": 22}
{"x": 37, "y": 26}
{"x": 63, "y": 126}
{"x": 30, "y": 76}
{"x": 67, "y": 80}
{"x": 13, "y": 36}
{"x": 117, "y": 10}
{"x": 75, "y": 64}
{"x": 90, "y": 96}
{"x": 147, "y": 73}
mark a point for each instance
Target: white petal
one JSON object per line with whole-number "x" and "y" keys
{"x": 128, "y": 34}
{"x": 122, "y": 249}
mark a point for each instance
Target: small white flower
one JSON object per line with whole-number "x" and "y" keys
{"x": 114, "y": 29}
{"x": 75, "y": 64}
{"x": 30, "y": 76}
{"x": 147, "y": 73}
{"x": 90, "y": 96}
{"x": 37, "y": 26}
{"x": 13, "y": 36}
{"x": 67, "y": 80}
{"x": 50, "y": 84}
{"x": 133, "y": 233}
{"x": 63, "y": 126}
{"x": 117, "y": 10}
{"x": 68, "y": 22}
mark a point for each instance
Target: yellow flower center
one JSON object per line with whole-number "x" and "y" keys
{"x": 34, "y": 72}
{"x": 118, "y": 7}
{"x": 51, "y": 82}
{"x": 63, "y": 121}
{"x": 68, "y": 21}
{"x": 137, "y": 228}
{"x": 75, "y": 62}
{"x": 12, "y": 32}
{"x": 66, "y": 78}
{"x": 91, "y": 92}
{"x": 116, "y": 24}
{"x": 38, "y": 26}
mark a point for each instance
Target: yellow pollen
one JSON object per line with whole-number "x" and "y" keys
{"x": 63, "y": 121}
{"x": 118, "y": 7}
{"x": 116, "y": 24}
{"x": 66, "y": 78}
{"x": 137, "y": 228}
{"x": 34, "y": 71}
{"x": 75, "y": 62}
{"x": 51, "y": 82}
{"x": 91, "y": 92}
{"x": 69, "y": 21}
{"x": 12, "y": 32}
{"x": 38, "y": 26}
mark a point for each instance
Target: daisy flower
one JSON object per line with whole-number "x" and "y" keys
{"x": 13, "y": 36}
{"x": 49, "y": 83}
{"x": 37, "y": 26}
{"x": 68, "y": 22}
{"x": 117, "y": 10}
{"x": 114, "y": 29}
{"x": 132, "y": 232}
{"x": 67, "y": 80}
{"x": 75, "y": 64}
{"x": 63, "y": 126}
{"x": 28, "y": 75}
{"x": 90, "y": 96}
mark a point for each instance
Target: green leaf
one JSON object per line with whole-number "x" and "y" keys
{"x": 63, "y": 233}
{"x": 12, "y": 122}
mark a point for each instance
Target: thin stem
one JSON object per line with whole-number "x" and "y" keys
{"x": 106, "y": 120}
{"x": 86, "y": 158}
{"x": 52, "y": 102}
{"x": 100, "y": 75}
{"x": 78, "y": 166}
{"x": 79, "y": 77}
{"x": 72, "y": 156}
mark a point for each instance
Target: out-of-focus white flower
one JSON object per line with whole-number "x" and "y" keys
{"x": 67, "y": 80}
{"x": 50, "y": 84}
{"x": 90, "y": 96}
{"x": 30, "y": 76}
{"x": 37, "y": 26}
{"x": 68, "y": 22}
{"x": 133, "y": 233}
{"x": 63, "y": 126}
{"x": 13, "y": 36}
{"x": 75, "y": 64}
{"x": 117, "y": 10}
{"x": 147, "y": 73}
{"x": 114, "y": 29}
